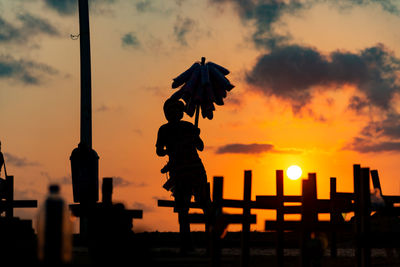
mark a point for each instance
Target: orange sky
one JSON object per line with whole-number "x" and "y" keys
{"x": 310, "y": 123}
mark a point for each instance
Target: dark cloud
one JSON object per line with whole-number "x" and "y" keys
{"x": 381, "y": 135}
{"x": 16, "y": 161}
{"x": 144, "y": 6}
{"x": 29, "y": 27}
{"x": 25, "y": 71}
{"x": 363, "y": 145}
{"x": 64, "y": 7}
{"x": 130, "y": 40}
{"x": 252, "y": 149}
{"x": 390, "y": 6}
{"x": 263, "y": 14}
{"x": 389, "y": 127}
{"x": 266, "y": 14}
{"x": 182, "y": 27}
{"x": 70, "y": 7}
{"x": 292, "y": 73}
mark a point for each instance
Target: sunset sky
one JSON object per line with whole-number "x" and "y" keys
{"x": 317, "y": 84}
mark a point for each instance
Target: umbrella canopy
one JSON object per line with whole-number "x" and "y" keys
{"x": 202, "y": 85}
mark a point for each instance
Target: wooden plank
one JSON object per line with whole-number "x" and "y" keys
{"x": 217, "y": 207}
{"x": 280, "y": 218}
{"x": 357, "y": 213}
{"x": 365, "y": 205}
{"x": 9, "y": 196}
{"x": 234, "y": 203}
{"x": 375, "y": 180}
{"x": 199, "y": 218}
{"x": 107, "y": 190}
{"x": 245, "y": 242}
{"x": 272, "y": 199}
{"x": 18, "y": 204}
{"x": 309, "y": 216}
{"x": 334, "y": 218}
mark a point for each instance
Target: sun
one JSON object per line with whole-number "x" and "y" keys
{"x": 294, "y": 172}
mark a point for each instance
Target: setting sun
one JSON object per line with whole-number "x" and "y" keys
{"x": 294, "y": 172}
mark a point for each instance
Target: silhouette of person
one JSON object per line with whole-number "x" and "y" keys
{"x": 1, "y": 160}
{"x": 180, "y": 140}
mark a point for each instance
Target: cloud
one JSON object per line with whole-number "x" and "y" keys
{"x": 252, "y": 149}
{"x": 264, "y": 14}
{"x": 142, "y": 206}
{"x": 107, "y": 108}
{"x": 70, "y": 7}
{"x": 64, "y": 7}
{"x": 16, "y": 161}
{"x": 29, "y": 27}
{"x": 144, "y": 6}
{"x": 122, "y": 182}
{"x": 130, "y": 40}
{"x": 26, "y": 71}
{"x": 363, "y": 145}
{"x": 63, "y": 180}
{"x": 292, "y": 73}
{"x": 182, "y": 27}
{"x": 387, "y": 127}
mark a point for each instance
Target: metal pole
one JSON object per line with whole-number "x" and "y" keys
{"x": 86, "y": 79}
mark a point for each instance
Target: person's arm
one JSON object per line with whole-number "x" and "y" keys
{"x": 198, "y": 142}
{"x": 161, "y": 150}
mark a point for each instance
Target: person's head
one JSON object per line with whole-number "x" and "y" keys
{"x": 173, "y": 110}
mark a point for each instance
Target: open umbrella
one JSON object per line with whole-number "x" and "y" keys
{"x": 202, "y": 85}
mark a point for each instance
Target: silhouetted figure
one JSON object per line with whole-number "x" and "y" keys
{"x": 54, "y": 230}
{"x": 2, "y": 162}
{"x": 180, "y": 140}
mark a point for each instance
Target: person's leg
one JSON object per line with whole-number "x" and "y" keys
{"x": 184, "y": 231}
{"x": 183, "y": 217}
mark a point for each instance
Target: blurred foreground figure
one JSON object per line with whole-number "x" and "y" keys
{"x": 54, "y": 230}
{"x": 180, "y": 140}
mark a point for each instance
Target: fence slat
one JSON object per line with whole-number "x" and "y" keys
{"x": 245, "y": 246}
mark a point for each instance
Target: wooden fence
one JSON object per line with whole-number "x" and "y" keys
{"x": 309, "y": 207}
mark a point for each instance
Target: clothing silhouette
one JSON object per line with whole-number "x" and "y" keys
{"x": 180, "y": 140}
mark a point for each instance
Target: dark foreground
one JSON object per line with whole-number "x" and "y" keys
{"x": 162, "y": 249}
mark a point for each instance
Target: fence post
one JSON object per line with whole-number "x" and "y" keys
{"x": 9, "y": 196}
{"x": 357, "y": 212}
{"x": 279, "y": 218}
{"x": 334, "y": 215}
{"x": 107, "y": 190}
{"x": 309, "y": 216}
{"x": 245, "y": 257}
{"x": 217, "y": 207}
{"x": 365, "y": 207}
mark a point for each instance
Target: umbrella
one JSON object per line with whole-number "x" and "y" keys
{"x": 202, "y": 85}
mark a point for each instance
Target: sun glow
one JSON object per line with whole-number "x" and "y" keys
{"x": 294, "y": 172}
